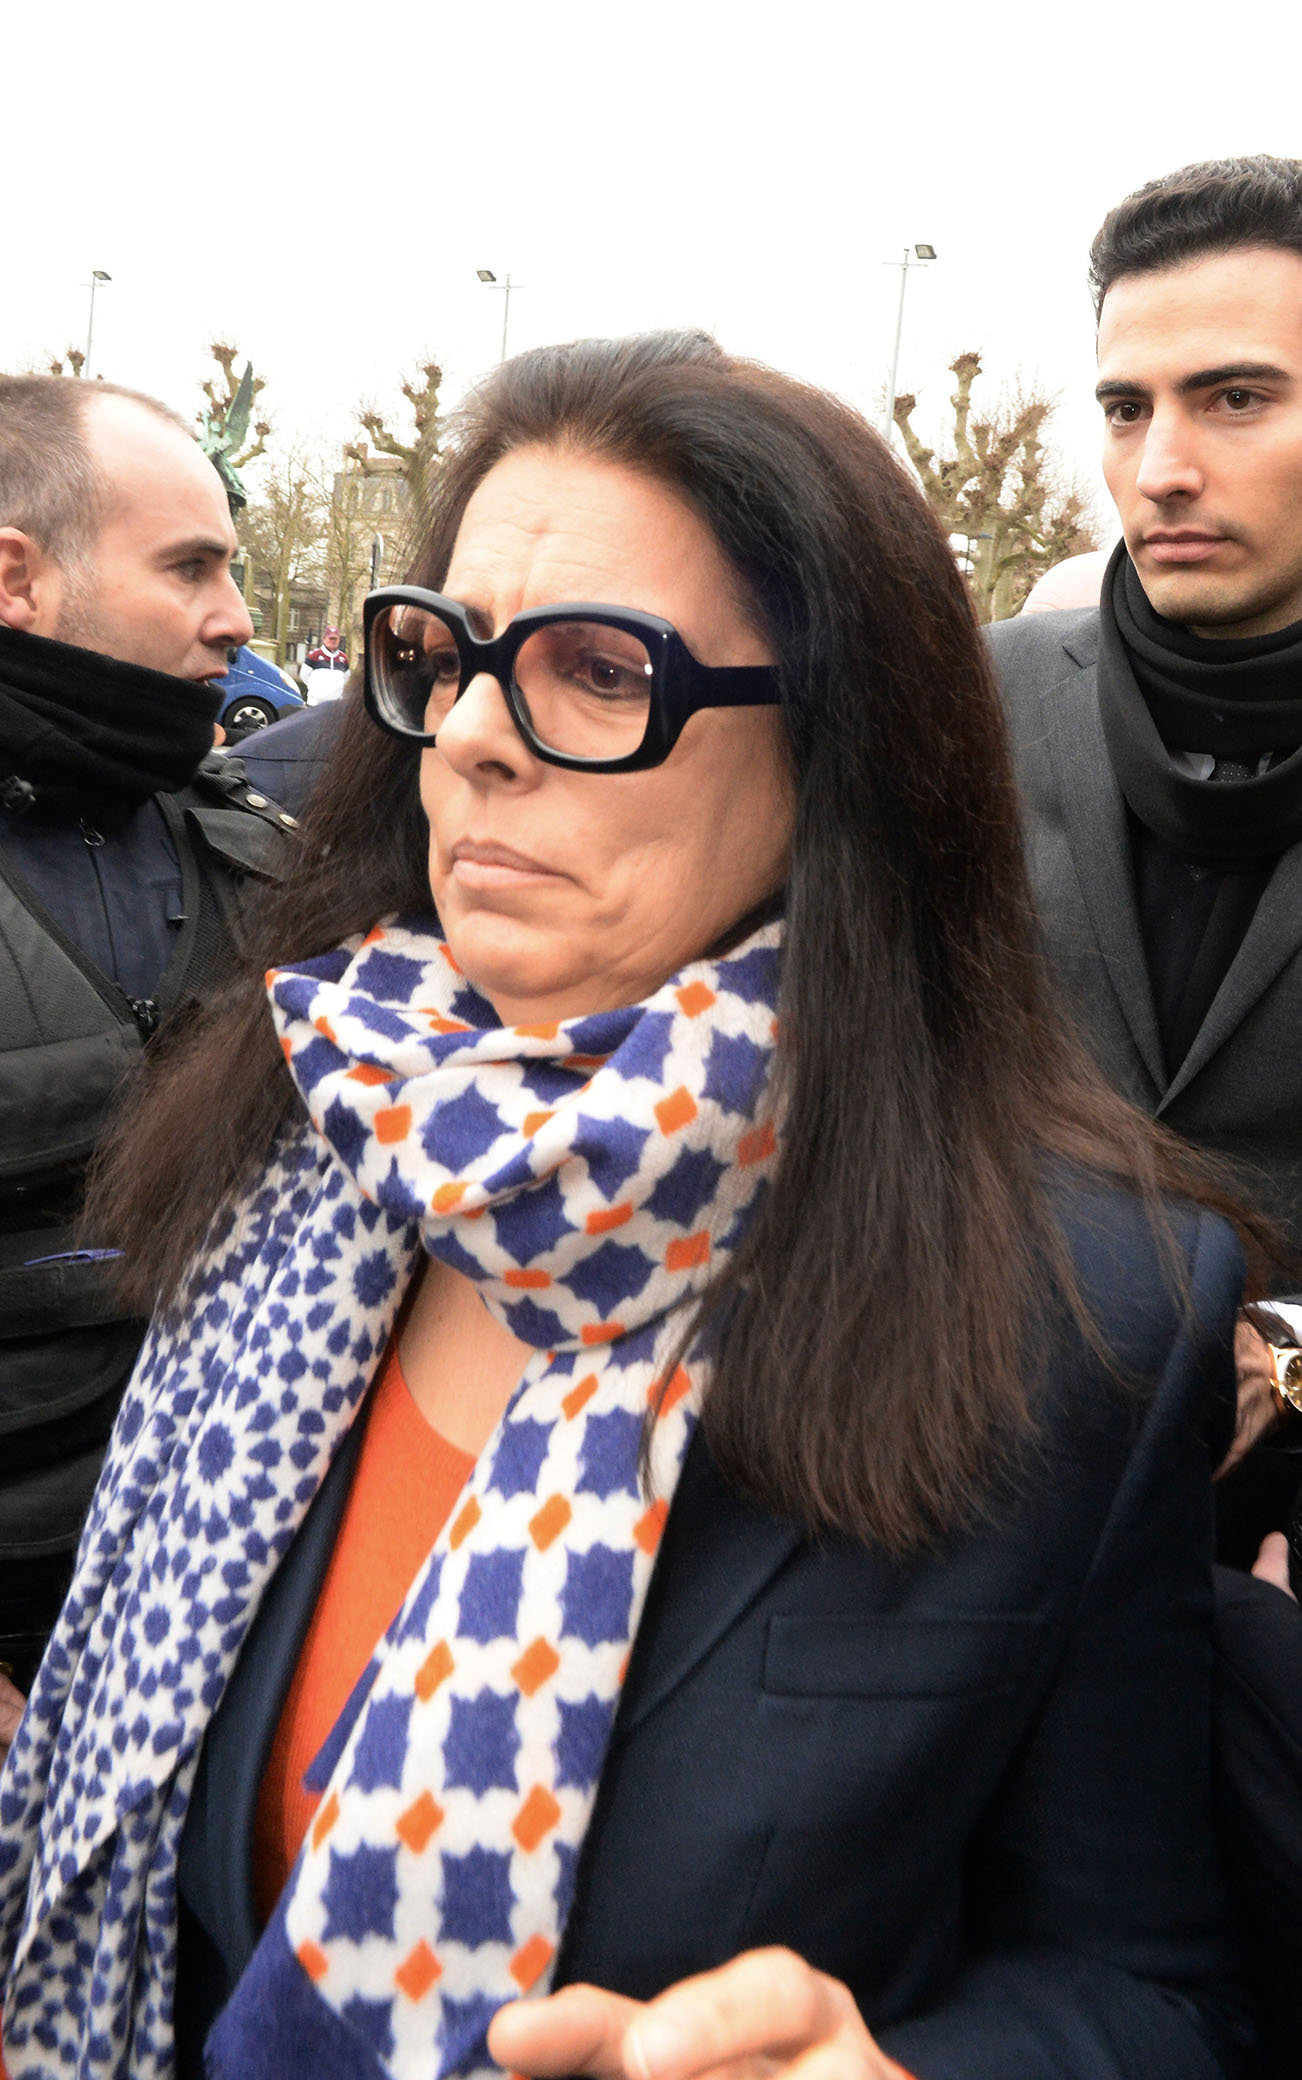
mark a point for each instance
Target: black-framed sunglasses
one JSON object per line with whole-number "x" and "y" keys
{"x": 598, "y": 689}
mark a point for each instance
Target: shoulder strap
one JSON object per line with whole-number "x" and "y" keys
{"x": 244, "y": 827}
{"x": 49, "y": 988}
{"x": 225, "y": 832}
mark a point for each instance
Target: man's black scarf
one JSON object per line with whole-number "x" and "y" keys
{"x": 1162, "y": 689}
{"x": 85, "y": 735}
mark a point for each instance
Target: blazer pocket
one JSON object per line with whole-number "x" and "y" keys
{"x": 900, "y": 1657}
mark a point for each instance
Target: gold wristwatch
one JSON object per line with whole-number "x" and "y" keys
{"x": 1286, "y": 1376}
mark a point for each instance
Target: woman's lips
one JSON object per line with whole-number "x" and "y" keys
{"x": 1183, "y": 548}
{"x": 495, "y": 866}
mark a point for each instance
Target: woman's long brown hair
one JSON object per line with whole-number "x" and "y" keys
{"x": 908, "y": 1235}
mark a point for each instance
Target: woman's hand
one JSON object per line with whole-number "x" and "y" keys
{"x": 765, "y": 2013}
{"x": 1271, "y": 1564}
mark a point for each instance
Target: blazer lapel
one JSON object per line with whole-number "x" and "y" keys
{"x": 1094, "y": 819}
{"x": 1271, "y": 940}
{"x": 719, "y": 1553}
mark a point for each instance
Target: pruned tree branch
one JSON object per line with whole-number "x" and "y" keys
{"x": 418, "y": 452}
{"x": 999, "y": 490}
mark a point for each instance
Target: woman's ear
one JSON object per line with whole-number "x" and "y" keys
{"x": 31, "y": 584}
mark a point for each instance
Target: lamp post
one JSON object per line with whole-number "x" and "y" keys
{"x": 921, "y": 253}
{"x": 969, "y": 560}
{"x": 486, "y": 275}
{"x": 97, "y": 275}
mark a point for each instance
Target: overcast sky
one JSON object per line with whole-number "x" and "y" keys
{"x": 319, "y": 184}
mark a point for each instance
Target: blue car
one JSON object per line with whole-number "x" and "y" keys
{"x": 256, "y": 694}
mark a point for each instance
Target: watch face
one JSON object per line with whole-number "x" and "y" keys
{"x": 1288, "y": 1376}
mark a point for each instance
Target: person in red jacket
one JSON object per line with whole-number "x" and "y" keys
{"x": 329, "y": 654}
{"x": 325, "y": 669}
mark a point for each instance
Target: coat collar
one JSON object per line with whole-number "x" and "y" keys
{"x": 1271, "y": 940}
{"x": 1094, "y": 817}
{"x": 1081, "y": 639}
{"x": 1095, "y": 821}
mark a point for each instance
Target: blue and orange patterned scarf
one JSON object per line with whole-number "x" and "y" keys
{"x": 591, "y": 1177}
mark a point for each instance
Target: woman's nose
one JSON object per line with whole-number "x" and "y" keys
{"x": 479, "y": 732}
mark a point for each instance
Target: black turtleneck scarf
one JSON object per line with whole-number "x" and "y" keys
{"x": 1203, "y": 848}
{"x": 85, "y": 735}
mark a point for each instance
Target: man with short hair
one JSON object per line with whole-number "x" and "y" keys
{"x": 1159, "y": 735}
{"x": 328, "y": 652}
{"x": 1158, "y": 743}
{"x": 124, "y": 844}
{"x": 325, "y": 669}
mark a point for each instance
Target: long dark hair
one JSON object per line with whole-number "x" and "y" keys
{"x": 906, "y": 1235}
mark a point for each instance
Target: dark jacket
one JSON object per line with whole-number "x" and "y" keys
{"x": 1238, "y": 1092}
{"x": 103, "y": 936}
{"x": 973, "y": 1785}
{"x": 287, "y": 760}
{"x": 1258, "y": 1715}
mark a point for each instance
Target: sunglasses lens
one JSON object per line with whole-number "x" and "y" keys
{"x": 586, "y": 688}
{"x": 415, "y": 667}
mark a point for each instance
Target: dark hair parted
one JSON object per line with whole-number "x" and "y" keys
{"x": 1198, "y": 210}
{"x": 871, "y": 1371}
{"x": 50, "y": 485}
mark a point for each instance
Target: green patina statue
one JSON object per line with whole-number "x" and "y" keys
{"x": 222, "y": 432}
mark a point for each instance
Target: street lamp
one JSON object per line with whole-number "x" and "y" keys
{"x": 969, "y": 560}
{"x": 486, "y": 275}
{"x": 922, "y": 252}
{"x": 97, "y": 275}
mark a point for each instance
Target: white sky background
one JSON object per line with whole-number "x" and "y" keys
{"x": 319, "y": 184}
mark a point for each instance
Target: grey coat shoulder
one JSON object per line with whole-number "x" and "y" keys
{"x": 1042, "y": 643}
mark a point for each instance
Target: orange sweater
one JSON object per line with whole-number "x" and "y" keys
{"x": 405, "y": 1484}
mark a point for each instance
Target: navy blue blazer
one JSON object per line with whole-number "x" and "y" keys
{"x": 974, "y": 1785}
{"x": 287, "y": 759}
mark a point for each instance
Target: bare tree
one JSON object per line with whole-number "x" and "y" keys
{"x": 418, "y": 454}
{"x": 1000, "y": 490}
{"x": 348, "y": 534}
{"x": 283, "y": 532}
{"x": 309, "y": 524}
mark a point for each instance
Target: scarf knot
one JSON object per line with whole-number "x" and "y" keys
{"x": 1164, "y": 690}
{"x": 571, "y": 1168}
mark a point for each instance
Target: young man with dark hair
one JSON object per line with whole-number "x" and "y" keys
{"x": 1158, "y": 740}
{"x": 1159, "y": 736}
{"x": 123, "y": 845}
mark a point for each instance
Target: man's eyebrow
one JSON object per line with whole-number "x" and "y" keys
{"x": 1200, "y": 379}
{"x": 198, "y": 545}
{"x": 1232, "y": 372}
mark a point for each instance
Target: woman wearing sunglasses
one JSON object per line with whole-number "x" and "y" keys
{"x": 661, "y": 1525}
